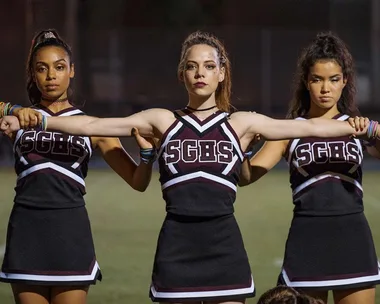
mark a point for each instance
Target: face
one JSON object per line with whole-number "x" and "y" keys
{"x": 52, "y": 72}
{"x": 325, "y": 83}
{"x": 202, "y": 71}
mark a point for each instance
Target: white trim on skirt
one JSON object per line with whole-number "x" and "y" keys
{"x": 53, "y": 278}
{"x": 330, "y": 283}
{"x": 203, "y": 294}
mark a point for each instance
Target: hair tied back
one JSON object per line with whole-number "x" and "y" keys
{"x": 50, "y": 35}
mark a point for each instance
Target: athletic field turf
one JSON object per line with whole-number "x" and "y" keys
{"x": 126, "y": 223}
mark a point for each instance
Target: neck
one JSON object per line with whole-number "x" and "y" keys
{"x": 320, "y": 112}
{"x": 56, "y": 105}
{"x": 202, "y": 102}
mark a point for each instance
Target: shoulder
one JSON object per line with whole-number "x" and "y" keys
{"x": 159, "y": 111}
{"x": 245, "y": 115}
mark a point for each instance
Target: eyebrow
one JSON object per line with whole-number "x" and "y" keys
{"x": 59, "y": 60}
{"x": 318, "y": 76}
{"x": 207, "y": 61}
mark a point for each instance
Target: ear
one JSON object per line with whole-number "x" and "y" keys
{"x": 344, "y": 82}
{"x": 222, "y": 73}
{"x": 180, "y": 77}
{"x": 72, "y": 71}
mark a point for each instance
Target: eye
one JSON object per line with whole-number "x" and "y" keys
{"x": 60, "y": 68}
{"x": 210, "y": 66}
{"x": 190, "y": 67}
{"x": 41, "y": 69}
{"x": 335, "y": 79}
{"x": 315, "y": 80}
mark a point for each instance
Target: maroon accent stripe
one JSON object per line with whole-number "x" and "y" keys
{"x": 327, "y": 179}
{"x": 51, "y": 272}
{"x": 203, "y": 180}
{"x": 63, "y": 176}
{"x": 202, "y": 288}
{"x": 333, "y": 277}
{"x": 201, "y": 122}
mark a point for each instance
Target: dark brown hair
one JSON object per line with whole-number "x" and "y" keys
{"x": 44, "y": 38}
{"x": 286, "y": 295}
{"x": 326, "y": 46}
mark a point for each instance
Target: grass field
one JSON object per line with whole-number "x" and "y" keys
{"x": 126, "y": 223}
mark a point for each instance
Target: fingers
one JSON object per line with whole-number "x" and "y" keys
{"x": 3, "y": 125}
{"x": 28, "y": 117}
{"x": 359, "y": 123}
{"x": 5, "y": 128}
{"x": 351, "y": 121}
{"x": 26, "y": 120}
{"x": 144, "y": 143}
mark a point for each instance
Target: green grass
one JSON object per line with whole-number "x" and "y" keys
{"x": 126, "y": 223}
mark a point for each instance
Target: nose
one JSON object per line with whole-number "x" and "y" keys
{"x": 199, "y": 73}
{"x": 325, "y": 87}
{"x": 50, "y": 74}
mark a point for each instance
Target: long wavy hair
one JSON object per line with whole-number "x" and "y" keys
{"x": 223, "y": 92}
{"x": 326, "y": 46}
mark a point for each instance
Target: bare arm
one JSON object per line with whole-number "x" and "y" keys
{"x": 146, "y": 121}
{"x": 248, "y": 124}
{"x": 276, "y": 129}
{"x": 263, "y": 161}
{"x": 138, "y": 177}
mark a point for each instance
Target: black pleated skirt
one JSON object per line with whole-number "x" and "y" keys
{"x": 199, "y": 259}
{"x": 49, "y": 247}
{"x": 330, "y": 253}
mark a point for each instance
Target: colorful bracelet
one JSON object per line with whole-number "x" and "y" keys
{"x": 43, "y": 124}
{"x": 372, "y": 131}
{"x": 148, "y": 156}
{"x": 4, "y": 108}
{"x": 12, "y": 108}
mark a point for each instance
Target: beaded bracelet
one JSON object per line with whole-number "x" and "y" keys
{"x": 43, "y": 125}
{"x": 372, "y": 131}
{"x": 148, "y": 156}
{"x": 12, "y": 108}
{"x": 4, "y": 108}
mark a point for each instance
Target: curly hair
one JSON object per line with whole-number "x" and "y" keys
{"x": 326, "y": 46}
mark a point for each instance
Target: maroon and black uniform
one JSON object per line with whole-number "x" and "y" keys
{"x": 330, "y": 244}
{"x": 49, "y": 238}
{"x": 200, "y": 253}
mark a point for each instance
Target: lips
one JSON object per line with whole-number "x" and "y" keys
{"x": 199, "y": 84}
{"x": 325, "y": 99}
{"x": 51, "y": 86}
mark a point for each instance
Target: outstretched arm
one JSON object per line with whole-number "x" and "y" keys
{"x": 146, "y": 121}
{"x": 278, "y": 129}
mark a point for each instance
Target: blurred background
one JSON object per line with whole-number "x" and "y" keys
{"x": 126, "y": 54}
